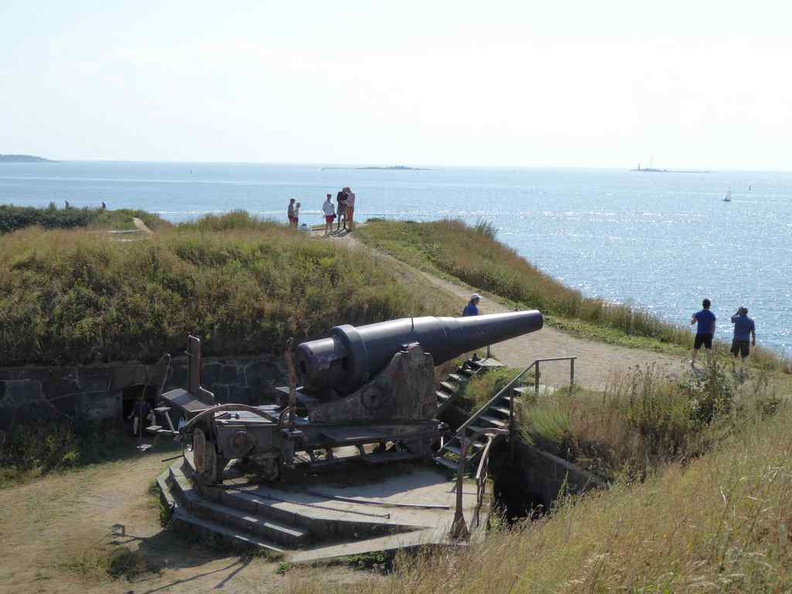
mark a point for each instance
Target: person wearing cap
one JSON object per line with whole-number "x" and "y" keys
{"x": 471, "y": 309}
{"x": 744, "y": 331}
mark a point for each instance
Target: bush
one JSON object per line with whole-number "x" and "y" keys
{"x": 36, "y": 449}
{"x": 645, "y": 420}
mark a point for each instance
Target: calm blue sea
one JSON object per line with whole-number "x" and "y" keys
{"x": 661, "y": 241}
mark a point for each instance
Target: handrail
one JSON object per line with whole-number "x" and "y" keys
{"x": 508, "y": 386}
{"x": 482, "y": 473}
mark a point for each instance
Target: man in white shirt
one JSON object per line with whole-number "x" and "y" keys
{"x": 329, "y": 213}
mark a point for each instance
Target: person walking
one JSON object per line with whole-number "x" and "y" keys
{"x": 341, "y": 198}
{"x": 290, "y": 212}
{"x": 705, "y": 330}
{"x": 471, "y": 309}
{"x": 350, "y": 209}
{"x": 297, "y": 208}
{"x": 744, "y": 332}
{"x": 329, "y": 214}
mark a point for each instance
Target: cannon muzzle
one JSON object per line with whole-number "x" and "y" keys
{"x": 351, "y": 356}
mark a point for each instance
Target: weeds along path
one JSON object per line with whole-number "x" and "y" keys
{"x": 56, "y": 537}
{"x": 596, "y": 362}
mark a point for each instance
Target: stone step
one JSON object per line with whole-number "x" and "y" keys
{"x": 442, "y": 396}
{"x": 257, "y": 527}
{"x": 323, "y": 519}
{"x": 457, "y": 377}
{"x": 404, "y": 541}
{"x": 284, "y": 533}
{"x": 187, "y": 521}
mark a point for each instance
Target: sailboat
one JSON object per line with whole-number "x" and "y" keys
{"x": 727, "y": 198}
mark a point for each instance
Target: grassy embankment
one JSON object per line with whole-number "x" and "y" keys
{"x": 473, "y": 255}
{"x": 701, "y": 465}
{"x": 244, "y": 286}
{"x": 14, "y": 218}
{"x": 720, "y": 524}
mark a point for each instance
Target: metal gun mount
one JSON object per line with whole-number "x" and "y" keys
{"x": 371, "y": 386}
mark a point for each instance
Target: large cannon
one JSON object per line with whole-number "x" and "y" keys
{"x": 362, "y": 387}
{"x": 352, "y": 356}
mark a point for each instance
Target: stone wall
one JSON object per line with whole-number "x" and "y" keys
{"x": 528, "y": 479}
{"x": 97, "y": 392}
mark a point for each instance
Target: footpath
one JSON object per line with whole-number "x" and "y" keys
{"x": 596, "y": 363}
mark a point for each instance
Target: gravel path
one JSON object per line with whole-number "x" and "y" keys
{"x": 596, "y": 361}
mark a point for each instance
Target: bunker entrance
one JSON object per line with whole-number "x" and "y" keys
{"x": 130, "y": 396}
{"x": 527, "y": 481}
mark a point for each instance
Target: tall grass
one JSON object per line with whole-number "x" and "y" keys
{"x": 644, "y": 420}
{"x": 13, "y": 218}
{"x": 473, "y": 255}
{"x": 720, "y": 523}
{"x": 79, "y": 297}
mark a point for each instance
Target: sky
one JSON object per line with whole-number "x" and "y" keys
{"x": 680, "y": 85}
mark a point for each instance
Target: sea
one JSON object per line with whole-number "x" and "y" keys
{"x": 660, "y": 241}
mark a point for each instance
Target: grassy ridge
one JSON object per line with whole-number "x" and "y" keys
{"x": 78, "y": 297}
{"x": 473, "y": 255}
{"x": 13, "y": 218}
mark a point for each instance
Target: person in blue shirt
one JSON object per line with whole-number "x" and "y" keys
{"x": 471, "y": 309}
{"x": 744, "y": 332}
{"x": 705, "y": 330}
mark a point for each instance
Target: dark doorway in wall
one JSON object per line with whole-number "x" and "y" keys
{"x": 130, "y": 395}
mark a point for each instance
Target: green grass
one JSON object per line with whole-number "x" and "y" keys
{"x": 243, "y": 285}
{"x": 14, "y": 218}
{"x": 644, "y": 421}
{"x": 472, "y": 255}
{"x": 31, "y": 450}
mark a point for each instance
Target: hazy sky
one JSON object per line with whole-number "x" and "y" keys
{"x": 526, "y": 83}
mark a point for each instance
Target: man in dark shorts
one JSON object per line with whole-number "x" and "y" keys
{"x": 744, "y": 333}
{"x": 705, "y": 330}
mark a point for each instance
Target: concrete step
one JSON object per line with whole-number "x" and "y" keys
{"x": 184, "y": 520}
{"x": 457, "y": 377}
{"x": 442, "y": 396}
{"x": 404, "y": 541}
{"x": 287, "y": 536}
{"x": 448, "y": 387}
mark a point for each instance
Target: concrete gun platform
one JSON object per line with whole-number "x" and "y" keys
{"x": 346, "y": 509}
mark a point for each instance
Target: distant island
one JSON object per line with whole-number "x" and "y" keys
{"x": 391, "y": 168}
{"x": 653, "y": 170}
{"x": 23, "y": 159}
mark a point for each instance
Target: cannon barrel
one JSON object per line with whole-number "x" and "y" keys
{"x": 351, "y": 356}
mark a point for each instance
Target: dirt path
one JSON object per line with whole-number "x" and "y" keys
{"x": 56, "y": 535}
{"x": 141, "y": 226}
{"x": 596, "y": 361}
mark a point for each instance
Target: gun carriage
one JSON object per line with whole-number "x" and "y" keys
{"x": 365, "y": 387}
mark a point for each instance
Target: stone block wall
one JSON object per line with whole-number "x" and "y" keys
{"x": 96, "y": 392}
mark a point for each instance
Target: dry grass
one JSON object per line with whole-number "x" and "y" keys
{"x": 243, "y": 285}
{"x": 720, "y": 524}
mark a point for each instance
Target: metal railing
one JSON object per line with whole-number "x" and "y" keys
{"x": 480, "y": 412}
